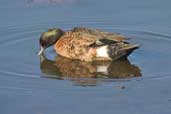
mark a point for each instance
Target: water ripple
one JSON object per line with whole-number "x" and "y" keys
{"x": 27, "y": 33}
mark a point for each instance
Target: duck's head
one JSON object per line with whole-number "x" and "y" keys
{"x": 49, "y": 38}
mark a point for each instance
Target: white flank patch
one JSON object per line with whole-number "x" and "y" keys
{"x": 102, "y": 52}
{"x": 102, "y": 68}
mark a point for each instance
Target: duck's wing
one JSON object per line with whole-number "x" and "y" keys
{"x": 99, "y": 35}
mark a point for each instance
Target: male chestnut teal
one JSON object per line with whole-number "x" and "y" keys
{"x": 87, "y": 44}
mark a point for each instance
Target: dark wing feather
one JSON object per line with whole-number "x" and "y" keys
{"x": 99, "y": 35}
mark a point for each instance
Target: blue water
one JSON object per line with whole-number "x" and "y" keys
{"x": 29, "y": 87}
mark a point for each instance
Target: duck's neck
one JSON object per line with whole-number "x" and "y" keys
{"x": 60, "y": 33}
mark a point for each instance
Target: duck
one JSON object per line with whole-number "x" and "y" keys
{"x": 86, "y": 44}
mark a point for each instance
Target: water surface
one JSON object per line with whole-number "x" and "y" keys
{"x": 52, "y": 84}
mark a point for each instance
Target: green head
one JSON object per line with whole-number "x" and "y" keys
{"x": 49, "y": 38}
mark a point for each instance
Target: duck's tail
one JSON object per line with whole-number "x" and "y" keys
{"x": 116, "y": 51}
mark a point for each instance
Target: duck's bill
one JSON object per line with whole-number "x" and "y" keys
{"x": 41, "y": 51}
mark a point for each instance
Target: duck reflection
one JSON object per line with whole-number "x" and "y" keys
{"x": 85, "y": 73}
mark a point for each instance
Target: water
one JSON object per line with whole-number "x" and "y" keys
{"x": 140, "y": 85}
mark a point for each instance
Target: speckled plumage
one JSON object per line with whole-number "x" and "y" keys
{"x": 82, "y": 43}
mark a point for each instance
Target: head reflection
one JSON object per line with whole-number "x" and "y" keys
{"x": 86, "y": 73}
